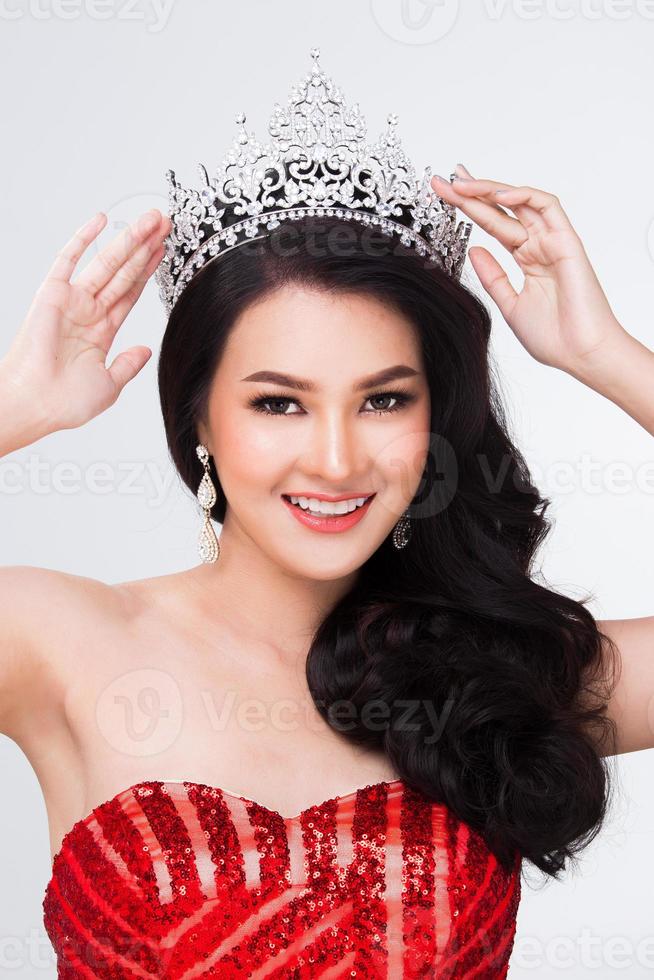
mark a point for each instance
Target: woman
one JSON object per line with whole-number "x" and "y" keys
{"x": 426, "y": 716}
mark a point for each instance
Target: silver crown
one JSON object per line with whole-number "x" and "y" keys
{"x": 317, "y": 163}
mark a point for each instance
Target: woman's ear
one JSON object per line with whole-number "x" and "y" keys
{"x": 201, "y": 433}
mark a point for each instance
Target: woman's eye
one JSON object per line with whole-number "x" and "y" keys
{"x": 400, "y": 398}
{"x": 261, "y": 402}
{"x": 378, "y": 398}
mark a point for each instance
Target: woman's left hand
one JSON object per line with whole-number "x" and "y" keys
{"x": 561, "y": 316}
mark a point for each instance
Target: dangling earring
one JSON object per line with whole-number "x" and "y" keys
{"x": 402, "y": 531}
{"x": 208, "y": 546}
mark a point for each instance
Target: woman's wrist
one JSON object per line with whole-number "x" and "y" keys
{"x": 24, "y": 418}
{"x": 625, "y": 375}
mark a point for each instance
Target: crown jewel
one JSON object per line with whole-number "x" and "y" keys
{"x": 317, "y": 162}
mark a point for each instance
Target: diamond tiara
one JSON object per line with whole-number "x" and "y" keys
{"x": 316, "y": 163}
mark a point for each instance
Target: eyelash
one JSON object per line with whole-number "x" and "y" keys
{"x": 403, "y": 398}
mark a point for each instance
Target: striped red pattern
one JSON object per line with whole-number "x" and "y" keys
{"x": 180, "y": 880}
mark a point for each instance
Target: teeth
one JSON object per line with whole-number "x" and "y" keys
{"x": 318, "y": 507}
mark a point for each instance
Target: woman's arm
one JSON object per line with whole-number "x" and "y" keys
{"x": 625, "y": 375}
{"x": 563, "y": 319}
{"x": 21, "y": 421}
{"x": 627, "y": 379}
{"x": 54, "y": 377}
{"x": 632, "y": 702}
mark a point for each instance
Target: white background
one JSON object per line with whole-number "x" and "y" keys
{"x": 100, "y": 99}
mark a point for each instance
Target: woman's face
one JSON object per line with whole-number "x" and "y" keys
{"x": 347, "y": 434}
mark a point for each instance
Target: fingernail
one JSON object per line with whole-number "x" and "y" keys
{"x": 462, "y": 178}
{"x": 438, "y": 177}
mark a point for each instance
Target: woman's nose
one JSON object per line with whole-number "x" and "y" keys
{"x": 335, "y": 449}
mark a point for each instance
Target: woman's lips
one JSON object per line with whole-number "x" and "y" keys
{"x": 329, "y": 523}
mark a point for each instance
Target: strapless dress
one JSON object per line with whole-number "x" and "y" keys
{"x": 179, "y": 880}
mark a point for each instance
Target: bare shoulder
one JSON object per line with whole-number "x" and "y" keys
{"x": 631, "y": 702}
{"x": 34, "y": 600}
{"x": 28, "y": 593}
{"x": 41, "y": 610}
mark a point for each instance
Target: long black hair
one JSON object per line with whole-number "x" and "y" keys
{"x": 486, "y": 689}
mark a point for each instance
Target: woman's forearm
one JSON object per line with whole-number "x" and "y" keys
{"x": 625, "y": 375}
{"x": 23, "y": 419}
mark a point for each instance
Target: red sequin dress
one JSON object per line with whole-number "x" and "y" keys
{"x": 180, "y": 880}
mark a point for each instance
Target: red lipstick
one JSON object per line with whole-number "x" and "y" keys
{"x": 328, "y": 523}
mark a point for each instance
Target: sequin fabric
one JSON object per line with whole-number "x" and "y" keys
{"x": 180, "y": 880}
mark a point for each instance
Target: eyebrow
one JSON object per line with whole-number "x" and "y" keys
{"x": 302, "y": 384}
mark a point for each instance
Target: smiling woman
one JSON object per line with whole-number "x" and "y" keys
{"x": 465, "y": 703}
{"x": 328, "y": 396}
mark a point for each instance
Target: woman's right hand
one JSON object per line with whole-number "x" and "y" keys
{"x": 57, "y": 359}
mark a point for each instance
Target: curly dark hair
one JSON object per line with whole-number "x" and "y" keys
{"x": 493, "y": 687}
